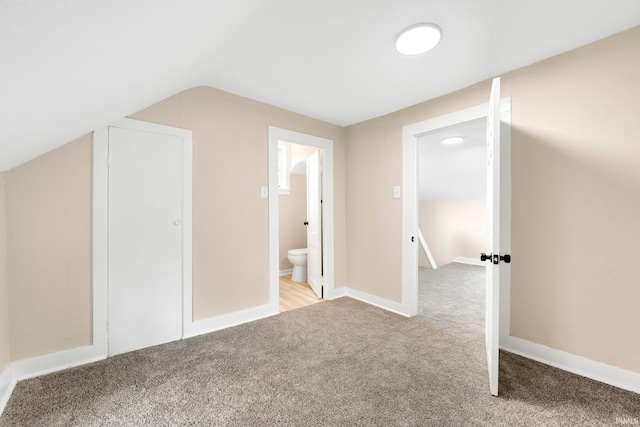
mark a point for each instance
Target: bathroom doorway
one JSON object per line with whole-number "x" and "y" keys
{"x": 300, "y": 224}
{"x": 295, "y": 223}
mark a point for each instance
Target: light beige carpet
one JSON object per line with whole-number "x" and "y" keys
{"x": 336, "y": 363}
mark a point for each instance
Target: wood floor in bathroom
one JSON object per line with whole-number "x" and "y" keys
{"x": 295, "y": 294}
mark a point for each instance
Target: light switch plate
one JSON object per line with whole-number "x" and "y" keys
{"x": 396, "y": 192}
{"x": 264, "y": 192}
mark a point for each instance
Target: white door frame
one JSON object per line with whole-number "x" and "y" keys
{"x": 410, "y": 136}
{"x": 276, "y": 134}
{"x": 100, "y": 199}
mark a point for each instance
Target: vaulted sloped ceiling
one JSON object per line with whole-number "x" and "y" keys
{"x": 70, "y": 66}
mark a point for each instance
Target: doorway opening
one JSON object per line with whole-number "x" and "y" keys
{"x": 300, "y": 222}
{"x": 497, "y": 113}
{"x": 410, "y": 208}
{"x": 314, "y": 155}
{"x": 452, "y": 218}
{"x": 452, "y": 194}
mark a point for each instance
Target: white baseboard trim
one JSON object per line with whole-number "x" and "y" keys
{"x": 285, "y": 272}
{"x": 467, "y": 260}
{"x": 42, "y": 365}
{"x": 598, "y": 371}
{"x": 228, "y": 320}
{"x": 385, "y": 304}
{"x": 7, "y": 384}
{"x": 336, "y": 293}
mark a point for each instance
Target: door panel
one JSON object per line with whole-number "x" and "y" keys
{"x": 145, "y": 239}
{"x": 493, "y": 236}
{"x": 314, "y": 228}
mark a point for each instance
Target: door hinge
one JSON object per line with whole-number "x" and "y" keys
{"x": 495, "y": 259}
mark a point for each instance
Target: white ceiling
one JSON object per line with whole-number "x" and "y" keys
{"x": 457, "y": 171}
{"x": 70, "y": 66}
{"x": 299, "y": 155}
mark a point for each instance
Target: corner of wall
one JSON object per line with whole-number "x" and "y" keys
{"x": 7, "y": 384}
{"x": 7, "y": 380}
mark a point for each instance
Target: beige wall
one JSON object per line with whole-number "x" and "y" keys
{"x": 48, "y": 204}
{"x": 452, "y": 228}
{"x": 5, "y": 355}
{"x": 293, "y": 214}
{"x": 49, "y": 219}
{"x": 576, "y": 201}
{"x": 230, "y": 222}
{"x": 575, "y": 205}
{"x": 374, "y": 166}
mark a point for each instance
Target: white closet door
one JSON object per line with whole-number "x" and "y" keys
{"x": 145, "y": 239}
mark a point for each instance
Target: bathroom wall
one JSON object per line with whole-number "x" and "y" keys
{"x": 48, "y": 208}
{"x": 300, "y": 153}
{"x": 293, "y": 207}
{"x": 575, "y": 198}
{"x": 5, "y": 355}
{"x": 452, "y": 228}
{"x": 293, "y": 214}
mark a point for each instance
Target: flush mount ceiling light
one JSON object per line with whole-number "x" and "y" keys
{"x": 453, "y": 140}
{"x": 419, "y": 38}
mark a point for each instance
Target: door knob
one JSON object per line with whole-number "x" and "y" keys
{"x": 495, "y": 258}
{"x": 306, "y": 223}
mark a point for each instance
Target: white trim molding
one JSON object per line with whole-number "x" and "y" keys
{"x": 338, "y": 293}
{"x": 236, "y": 318}
{"x": 285, "y": 272}
{"x": 385, "y": 304}
{"x": 43, "y": 365}
{"x": 578, "y": 365}
{"x": 54, "y": 362}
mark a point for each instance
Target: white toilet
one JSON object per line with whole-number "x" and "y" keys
{"x": 298, "y": 257}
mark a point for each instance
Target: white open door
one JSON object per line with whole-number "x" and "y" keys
{"x": 314, "y": 224}
{"x": 492, "y": 257}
